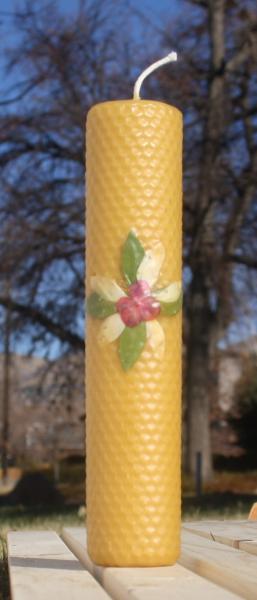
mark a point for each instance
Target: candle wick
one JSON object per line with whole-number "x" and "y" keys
{"x": 171, "y": 57}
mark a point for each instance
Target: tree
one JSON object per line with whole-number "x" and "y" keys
{"x": 244, "y": 417}
{"x": 56, "y": 69}
{"x": 60, "y": 67}
{"x": 6, "y": 392}
{"x": 42, "y": 162}
{"x": 216, "y": 86}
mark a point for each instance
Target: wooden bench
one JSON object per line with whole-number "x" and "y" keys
{"x": 218, "y": 561}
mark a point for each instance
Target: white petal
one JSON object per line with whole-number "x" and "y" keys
{"x": 170, "y": 293}
{"x": 108, "y": 288}
{"x": 150, "y": 266}
{"x": 156, "y": 337}
{"x": 110, "y": 329}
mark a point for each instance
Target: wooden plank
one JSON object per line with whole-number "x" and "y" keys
{"x": 248, "y": 546}
{"x": 234, "y": 569}
{"x": 231, "y": 533}
{"x": 160, "y": 583}
{"x": 41, "y": 567}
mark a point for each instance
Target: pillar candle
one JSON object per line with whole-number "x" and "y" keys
{"x": 133, "y": 332}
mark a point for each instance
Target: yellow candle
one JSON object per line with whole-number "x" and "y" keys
{"x": 133, "y": 337}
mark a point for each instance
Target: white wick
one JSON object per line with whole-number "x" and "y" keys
{"x": 171, "y": 57}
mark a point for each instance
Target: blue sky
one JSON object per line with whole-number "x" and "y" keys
{"x": 155, "y": 8}
{"x": 156, "y": 11}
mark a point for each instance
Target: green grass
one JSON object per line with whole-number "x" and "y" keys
{"x": 18, "y": 517}
{"x": 4, "y": 581}
{"x": 219, "y": 506}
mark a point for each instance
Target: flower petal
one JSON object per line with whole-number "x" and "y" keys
{"x": 150, "y": 266}
{"x": 99, "y": 307}
{"x": 156, "y": 337}
{"x": 111, "y": 329}
{"x": 131, "y": 257}
{"x": 108, "y": 288}
{"x": 170, "y": 293}
{"x": 131, "y": 345}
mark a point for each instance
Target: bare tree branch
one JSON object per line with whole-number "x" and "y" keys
{"x": 242, "y": 259}
{"x": 37, "y": 316}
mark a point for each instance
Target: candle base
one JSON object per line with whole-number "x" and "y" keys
{"x": 150, "y": 559}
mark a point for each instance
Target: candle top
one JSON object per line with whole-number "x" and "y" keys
{"x": 136, "y": 101}
{"x": 135, "y": 105}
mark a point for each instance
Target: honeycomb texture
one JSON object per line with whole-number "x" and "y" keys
{"x": 133, "y": 418}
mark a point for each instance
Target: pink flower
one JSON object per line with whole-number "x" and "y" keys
{"x": 139, "y": 305}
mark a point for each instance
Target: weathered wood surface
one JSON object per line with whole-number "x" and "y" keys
{"x": 160, "y": 583}
{"x": 233, "y": 569}
{"x": 237, "y": 534}
{"x": 41, "y": 567}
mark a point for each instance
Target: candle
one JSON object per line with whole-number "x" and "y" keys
{"x": 133, "y": 336}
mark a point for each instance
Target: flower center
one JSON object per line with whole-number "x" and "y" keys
{"x": 139, "y": 305}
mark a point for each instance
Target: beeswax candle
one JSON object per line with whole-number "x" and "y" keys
{"x": 133, "y": 336}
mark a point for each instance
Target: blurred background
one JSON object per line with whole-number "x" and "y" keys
{"x": 57, "y": 60}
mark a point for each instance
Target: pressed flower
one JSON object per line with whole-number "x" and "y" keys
{"x": 149, "y": 268}
{"x": 111, "y": 328}
{"x": 108, "y": 288}
{"x": 131, "y": 316}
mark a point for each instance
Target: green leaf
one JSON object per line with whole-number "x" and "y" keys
{"x": 131, "y": 344}
{"x": 169, "y": 309}
{"x": 132, "y": 255}
{"x": 99, "y": 307}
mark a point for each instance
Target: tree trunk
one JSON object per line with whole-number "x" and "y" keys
{"x": 199, "y": 378}
{"x": 6, "y": 393}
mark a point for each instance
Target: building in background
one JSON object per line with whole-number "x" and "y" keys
{"x": 230, "y": 370}
{"x": 46, "y": 409}
{"x": 47, "y": 415}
